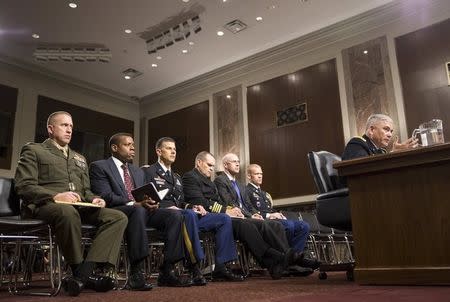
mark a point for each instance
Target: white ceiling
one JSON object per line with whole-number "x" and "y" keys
{"x": 102, "y": 22}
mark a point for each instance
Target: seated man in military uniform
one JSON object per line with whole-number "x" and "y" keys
{"x": 196, "y": 217}
{"x": 376, "y": 139}
{"x": 49, "y": 173}
{"x": 297, "y": 231}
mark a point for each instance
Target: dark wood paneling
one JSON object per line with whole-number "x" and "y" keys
{"x": 92, "y": 129}
{"x": 8, "y": 105}
{"x": 421, "y": 57}
{"x": 190, "y": 129}
{"x": 282, "y": 151}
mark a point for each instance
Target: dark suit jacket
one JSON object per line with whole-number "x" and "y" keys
{"x": 230, "y": 197}
{"x": 161, "y": 180}
{"x": 199, "y": 189}
{"x": 106, "y": 181}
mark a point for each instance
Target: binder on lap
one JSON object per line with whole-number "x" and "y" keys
{"x": 150, "y": 191}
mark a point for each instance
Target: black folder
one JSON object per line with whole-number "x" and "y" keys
{"x": 150, "y": 191}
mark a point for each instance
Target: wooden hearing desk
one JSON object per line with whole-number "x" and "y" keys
{"x": 400, "y": 204}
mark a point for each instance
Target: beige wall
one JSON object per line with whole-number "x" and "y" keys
{"x": 31, "y": 84}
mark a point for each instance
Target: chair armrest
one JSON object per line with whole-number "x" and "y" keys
{"x": 336, "y": 193}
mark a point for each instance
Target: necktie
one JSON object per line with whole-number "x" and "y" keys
{"x": 168, "y": 174}
{"x": 127, "y": 181}
{"x": 238, "y": 192}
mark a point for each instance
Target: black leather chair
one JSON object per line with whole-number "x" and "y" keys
{"x": 25, "y": 234}
{"x": 333, "y": 203}
{"x": 332, "y": 207}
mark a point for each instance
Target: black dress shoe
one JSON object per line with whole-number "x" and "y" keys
{"x": 137, "y": 282}
{"x": 197, "y": 277}
{"x": 99, "y": 283}
{"x": 298, "y": 271}
{"x": 225, "y": 274}
{"x": 72, "y": 286}
{"x": 169, "y": 278}
{"x": 310, "y": 263}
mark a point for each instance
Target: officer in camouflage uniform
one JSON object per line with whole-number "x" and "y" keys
{"x": 51, "y": 171}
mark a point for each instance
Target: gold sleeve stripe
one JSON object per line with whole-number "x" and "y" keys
{"x": 216, "y": 208}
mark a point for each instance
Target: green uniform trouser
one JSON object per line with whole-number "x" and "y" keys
{"x": 66, "y": 221}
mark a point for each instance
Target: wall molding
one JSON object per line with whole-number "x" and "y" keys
{"x": 354, "y": 26}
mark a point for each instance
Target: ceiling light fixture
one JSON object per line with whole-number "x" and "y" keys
{"x": 184, "y": 51}
{"x": 365, "y": 52}
{"x": 72, "y": 54}
{"x": 191, "y": 43}
{"x": 154, "y": 65}
{"x": 258, "y": 18}
{"x": 127, "y": 77}
{"x": 35, "y": 36}
{"x": 228, "y": 96}
{"x": 73, "y": 5}
{"x": 175, "y": 34}
{"x": 185, "y": 1}
{"x": 128, "y": 31}
{"x": 220, "y": 33}
{"x": 158, "y": 58}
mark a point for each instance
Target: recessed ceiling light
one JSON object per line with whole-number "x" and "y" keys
{"x": 158, "y": 58}
{"x": 128, "y": 31}
{"x": 191, "y": 43}
{"x": 220, "y": 33}
{"x": 258, "y": 18}
{"x": 365, "y": 52}
{"x": 184, "y": 51}
{"x": 224, "y": 0}
{"x": 73, "y": 5}
{"x": 127, "y": 77}
{"x": 273, "y": 6}
{"x": 36, "y": 36}
{"x": 185, "y": 1}
{"x": 154, "y": 65}
{"x": 228, "y": 96}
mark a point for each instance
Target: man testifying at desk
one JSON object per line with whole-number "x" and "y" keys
{"x": 196, "y": 217}
{"x": 114, "y": 179}
{"x": 379, "y": 129}
{"x": 269, "y": 246}
{"x": 50, "y": 171}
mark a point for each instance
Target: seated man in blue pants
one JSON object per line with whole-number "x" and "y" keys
{"x": 196, "y": 217}
{"x": 297, "y": 231}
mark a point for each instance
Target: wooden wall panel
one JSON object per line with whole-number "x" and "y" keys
{"x": 8, "y": 105}
{"x": 92, "y": 129}
{"x": 421, "y": 57}
{"x": 282, "y": 151}
{"x": 190, "y": 129}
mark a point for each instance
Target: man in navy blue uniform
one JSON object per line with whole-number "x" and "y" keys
{"x": 113, "y": 179}
{"x": 376, "y": 139}
{"x": 196, "y": 217}
{"x": 297, "y": 231}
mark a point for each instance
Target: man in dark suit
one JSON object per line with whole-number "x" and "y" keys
{"x": 196, "y": 217}
{"x": 50, "y": 173}
{"x": 113, "y": 179}
{"x": 269, "y": 247}
{"x": 297, "y": 231}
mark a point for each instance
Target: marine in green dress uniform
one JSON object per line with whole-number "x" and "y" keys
{"x": 51, "y": 171}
